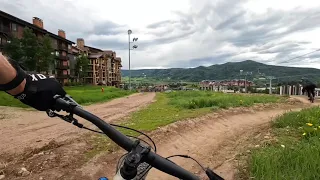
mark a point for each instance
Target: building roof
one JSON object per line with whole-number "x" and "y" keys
{"x": 109, "y": 52}
{"x": 25, "y": 23}
{"x": 100, "y": 54}
{"x": 96, "y": 49}
{"x": 95, "y": 55}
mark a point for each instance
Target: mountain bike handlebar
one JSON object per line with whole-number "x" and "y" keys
{"x": 156, "y": 161}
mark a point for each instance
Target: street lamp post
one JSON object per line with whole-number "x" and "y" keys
{"x": 245, "y": 79}
{"x": 270, "y": 83}
{"x": 131, "y": 48}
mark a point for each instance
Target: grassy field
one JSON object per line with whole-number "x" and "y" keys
{"x": 295, "y": 154}
{"x": 82, "y": 94}
{"x": 175, "y": 106}
{"x": 202, "y": 99}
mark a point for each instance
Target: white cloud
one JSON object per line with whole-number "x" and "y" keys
{"x": 181, "y": 33}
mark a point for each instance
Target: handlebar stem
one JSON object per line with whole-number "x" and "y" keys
{"x": 133, "y": 160}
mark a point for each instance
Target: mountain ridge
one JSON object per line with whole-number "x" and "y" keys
{"x": 229, "y": 70}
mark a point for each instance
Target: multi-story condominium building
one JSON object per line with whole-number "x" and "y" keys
{"x": 11, "y": 26}
{"x": 104, "y": 66}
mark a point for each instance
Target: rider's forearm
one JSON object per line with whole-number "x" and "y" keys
{"x": 7, "y": 74}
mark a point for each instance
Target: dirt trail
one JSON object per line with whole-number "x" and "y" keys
{"x": 20, "y": 129}
{"x": 214, "y": 140}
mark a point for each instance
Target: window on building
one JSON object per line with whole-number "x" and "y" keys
{"x": 14, "y": 27}
{"x": 54, "y": 43}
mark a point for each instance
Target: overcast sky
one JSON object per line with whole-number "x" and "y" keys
{"x": 186, "y": 33}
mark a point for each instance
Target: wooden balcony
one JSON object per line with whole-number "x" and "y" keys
{"x": 62, "y": 57}
{"x": 4, "y": 29}
{"x": 62, "y": 47}
{"x": 63, "y": 76}
{"x": 61, "y": 66}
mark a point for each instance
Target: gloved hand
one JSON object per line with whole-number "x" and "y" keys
{"x": 39, "y": 92}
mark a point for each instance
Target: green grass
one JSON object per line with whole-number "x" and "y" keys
{"x": 161, "y": 113}
{"x": 295, "y": 154}
{"x": 202, "y": 99}
{"x": 150, "y": 118}
{"x": 171, "y": 107}
{"x": 84, "y": 95}
{"x": 91, "y": 94}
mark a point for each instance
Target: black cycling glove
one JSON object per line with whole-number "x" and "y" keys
{"x": 39, "y": 89}
{"x": 39, "y": 92}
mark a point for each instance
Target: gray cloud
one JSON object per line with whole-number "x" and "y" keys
{"x": 167, "y": 39}
{"x": 278, "y": 45}
{"x": 233, "y": 21}
{"x": 284, "y": 48}
{"x": 206, "y": 61}
{"x": 114, "y": 44}
{"x": 315, "y": 56}
{"x": 108, "y": 28}
{"x": 264, "y": 28}
{"x": 160, "y": 24}
{"x": 205, "y": 31}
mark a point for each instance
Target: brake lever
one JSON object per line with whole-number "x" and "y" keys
{"x": 72, "y": 101}
{"x": 68, "y": 118}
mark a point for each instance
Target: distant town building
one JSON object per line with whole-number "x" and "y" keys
{"x": 224, "y": 84}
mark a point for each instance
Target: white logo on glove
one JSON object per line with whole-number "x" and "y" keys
{"x": 35, "y": 77}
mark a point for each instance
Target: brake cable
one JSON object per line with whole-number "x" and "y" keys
{"x": 69, "y": 118}
{"x": 208, "y": 171}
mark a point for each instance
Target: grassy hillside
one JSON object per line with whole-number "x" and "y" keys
{"x": 228, "y": 70}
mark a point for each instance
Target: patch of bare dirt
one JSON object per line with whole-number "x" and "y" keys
{"x": 20, "y": 129}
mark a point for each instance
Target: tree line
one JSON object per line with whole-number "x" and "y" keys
{"x": 38, "y": 55}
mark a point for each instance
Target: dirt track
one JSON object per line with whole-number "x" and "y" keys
{"x": 217, "y": 139}
{"x": 24, "y": 129}
{"x": 213, "y": 139}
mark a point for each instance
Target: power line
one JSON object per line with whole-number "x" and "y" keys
{"x": 297, "y": 75}
{"x": 299, "y": 56}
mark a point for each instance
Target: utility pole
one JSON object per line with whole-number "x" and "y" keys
{"x": 270, "y": 83}
{"x": 245, "y": 79}
{"x": 241, "y": 71}
{"x": 245, "y": 83}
